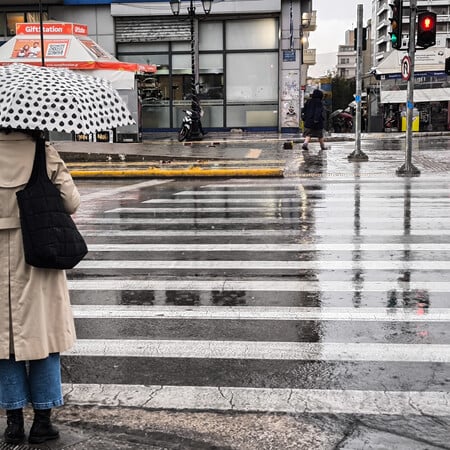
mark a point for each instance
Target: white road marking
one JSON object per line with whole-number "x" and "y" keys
{"x": 319, "y": 247}
{"x": 226, "y": 285}
{"x": 224, "y": 398}
{"x": 112, "y": 192}
{"x": 264, "y": 265}
{"x": 424, "y": 221}
{"x": 260, "y": 313}
{"x": 260, "y": 232}
{"x": 266, "y": 350}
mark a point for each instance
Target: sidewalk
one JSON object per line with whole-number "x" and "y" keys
{"x": 241, "y": 155}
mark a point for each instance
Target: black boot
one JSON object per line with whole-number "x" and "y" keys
{"x": 42, "y": 429}
{"x": 14, "y": 432}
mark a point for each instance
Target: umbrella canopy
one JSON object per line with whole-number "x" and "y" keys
{"x": 42, "y": 98}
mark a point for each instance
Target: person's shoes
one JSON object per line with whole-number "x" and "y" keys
{"x": 305, "y": 146}
{"x": 14, "y": 433}
{"x": 42, "y": 429}
{"x": 324, "y": 148}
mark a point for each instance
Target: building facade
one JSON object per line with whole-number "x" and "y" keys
{"x": 432, "y": 84}
{"x": 251, "y": 56}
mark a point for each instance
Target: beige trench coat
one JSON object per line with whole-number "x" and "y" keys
{"x": 35, "y": 313}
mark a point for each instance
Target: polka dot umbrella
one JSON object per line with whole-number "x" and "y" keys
{"x": 42, "y": 98}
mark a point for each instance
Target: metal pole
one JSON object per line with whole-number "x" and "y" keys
{"x": 408, "y": 169}
{"x": 42, "y": 33}
{"x": 357, "y": 154}
{"x": 195, "y": 104}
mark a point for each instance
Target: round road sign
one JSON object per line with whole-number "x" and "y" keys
{"x": 406, "y": 68}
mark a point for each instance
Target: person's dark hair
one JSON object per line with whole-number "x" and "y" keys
{"x": 35, "y": 134}
{"x": 317, "y": 93}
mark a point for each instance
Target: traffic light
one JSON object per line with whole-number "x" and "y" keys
{"x": 426, "y": 29}
{"x": 396, "y": 24}
{"x": 364, "y": 39}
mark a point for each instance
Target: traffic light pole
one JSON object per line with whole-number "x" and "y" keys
{"x": 408, "y": 169}
{"x": 357, "y": 154}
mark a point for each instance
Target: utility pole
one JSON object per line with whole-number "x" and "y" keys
{"x": 408, "y": 169}
{"x": 357, "y": 154}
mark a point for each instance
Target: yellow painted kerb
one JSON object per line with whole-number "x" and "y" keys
{"x": 187, "y": 172}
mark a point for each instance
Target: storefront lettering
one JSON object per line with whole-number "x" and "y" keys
{"x": 47, "y": 29}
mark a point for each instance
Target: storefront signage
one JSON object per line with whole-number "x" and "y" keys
{"x": 53, "y": 28}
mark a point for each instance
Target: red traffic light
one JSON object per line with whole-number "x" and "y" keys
{"x": 426, "y": 29}
{"x": 427, "y": 22}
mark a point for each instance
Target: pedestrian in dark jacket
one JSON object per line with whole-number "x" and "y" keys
{"x": 313, "y": 118}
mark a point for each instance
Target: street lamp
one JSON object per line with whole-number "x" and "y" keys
{"x": 175, "y": 7}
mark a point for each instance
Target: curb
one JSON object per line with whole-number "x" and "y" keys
{"x": 188, "y": 172}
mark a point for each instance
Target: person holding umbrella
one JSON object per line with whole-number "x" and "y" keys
{"x": 36, "y": 322}
{"x": 313, "y": 116}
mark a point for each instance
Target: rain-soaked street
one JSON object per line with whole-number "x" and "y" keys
{"x": 325, "y": 297}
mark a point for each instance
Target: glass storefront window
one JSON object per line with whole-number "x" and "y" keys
{"x": 252, "y": 77}
{"x": 11, "y": 20}
{"x": 210, "y": 36}
{"x": 181, "y": 46}
{"x": 252, "y": 34}
{"x": 2, "y": 24}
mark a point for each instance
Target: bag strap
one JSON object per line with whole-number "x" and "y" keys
{"x": 39, "y": 164}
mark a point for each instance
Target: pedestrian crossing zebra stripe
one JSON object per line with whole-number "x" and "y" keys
{"x": 226, "y": 285}
{"x": 425, "y": 222}
{"x": 322, "y": 265}
{"x": 333, "y": 184}
{"x": 332, "y": 195}
{"x": 319, "y": 247}
{"x": 291, "y": 199}
{"x": 272, "y": 313}
{"x": 247, "y": 399}
{"x": 390, "y": 210}
{"x": 262, "y": 232}
{"x": 267, "y": 350}
{"x": 112, "y": 192}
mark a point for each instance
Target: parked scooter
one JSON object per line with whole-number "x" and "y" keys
{"x": 186, "y": 125}
{"x": 191, "y": 126}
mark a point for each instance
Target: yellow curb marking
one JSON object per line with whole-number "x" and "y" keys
{"x": 190, "y": 172}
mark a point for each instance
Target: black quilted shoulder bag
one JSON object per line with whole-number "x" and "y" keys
{"x": 50, "y": 237}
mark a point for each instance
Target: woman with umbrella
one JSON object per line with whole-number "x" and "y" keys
{"x": 36, "y": 322}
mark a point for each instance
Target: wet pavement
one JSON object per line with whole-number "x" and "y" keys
{"x": 308, "y": 311}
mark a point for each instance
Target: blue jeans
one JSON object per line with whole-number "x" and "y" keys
{"x": 40, "y": 385}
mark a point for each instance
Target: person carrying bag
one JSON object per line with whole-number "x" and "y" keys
{"x": 36, "y": 321}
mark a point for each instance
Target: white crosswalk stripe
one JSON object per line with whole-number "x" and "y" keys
{"x": 337, "y": 312}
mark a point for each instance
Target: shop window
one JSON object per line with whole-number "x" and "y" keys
{"x": 252, "y": 34}
{"x": 211, "y": 36}
{"x": 34, "y": 16}
{"x": 257, "y": 77}
{"x": 2, "y": 24}
{"x": 11, "y": 20}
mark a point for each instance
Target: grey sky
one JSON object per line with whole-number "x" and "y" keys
{"x": 334, "y": 17}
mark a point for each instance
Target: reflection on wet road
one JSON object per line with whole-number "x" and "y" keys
{"x": 255, "y": 294}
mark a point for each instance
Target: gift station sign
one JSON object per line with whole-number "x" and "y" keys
{"x": 52, "y": 28}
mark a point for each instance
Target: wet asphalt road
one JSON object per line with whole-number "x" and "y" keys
{"x": 319, "y": 295}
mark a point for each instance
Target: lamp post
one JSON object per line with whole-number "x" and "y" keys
{"x": 195, "y": 106}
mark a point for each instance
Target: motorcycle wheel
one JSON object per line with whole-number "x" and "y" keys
{"x": 183, "y": 133}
